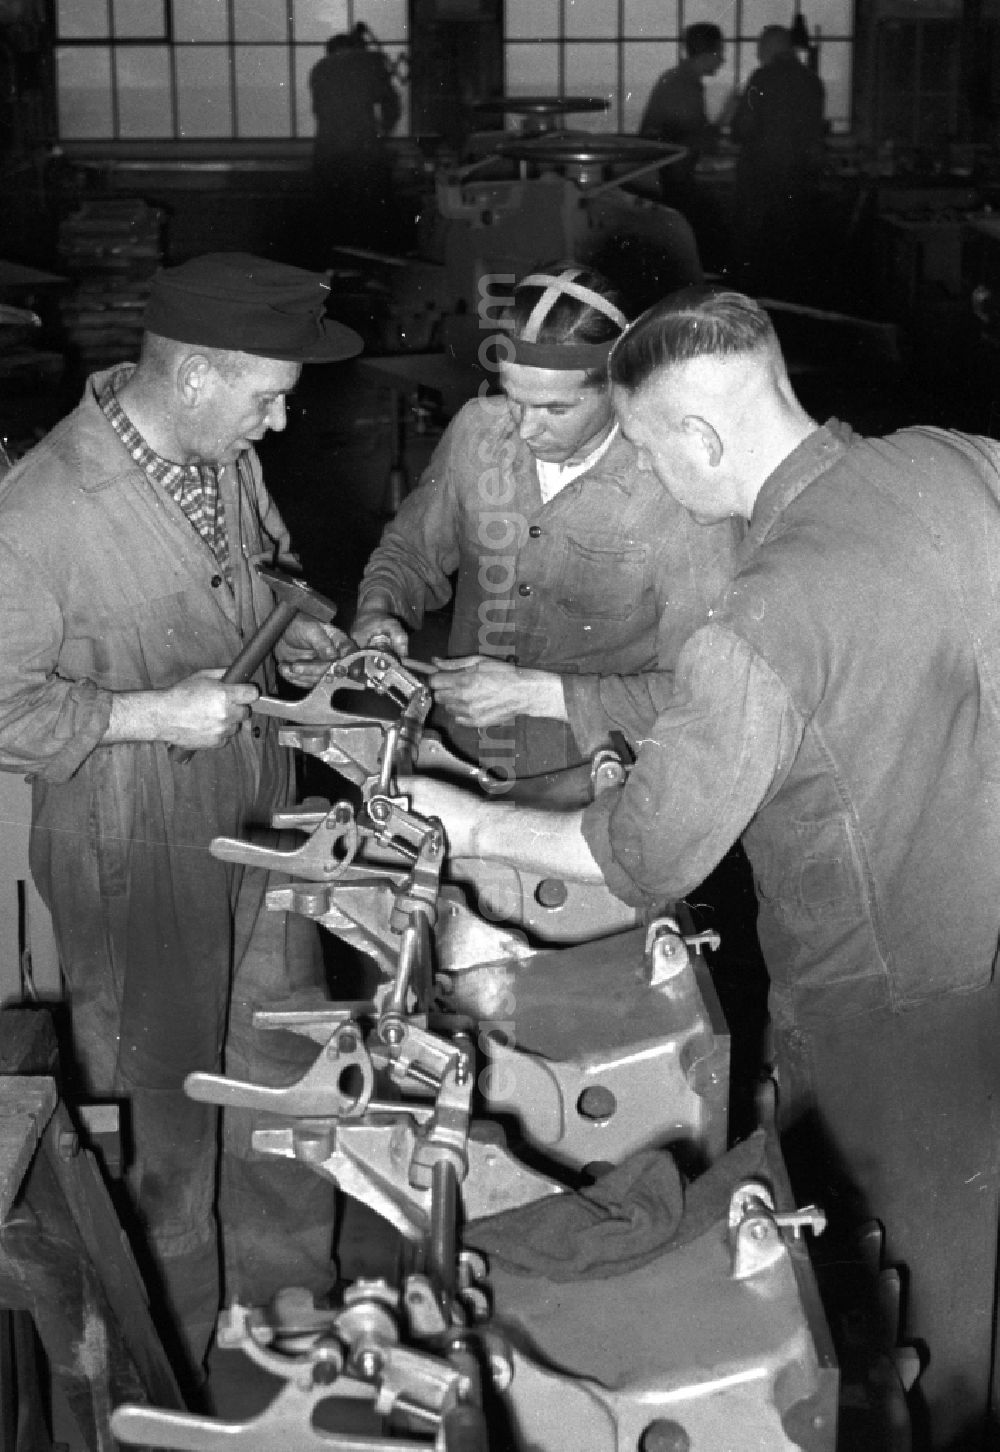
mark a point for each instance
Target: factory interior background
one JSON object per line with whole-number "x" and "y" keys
{"x": 138, "y": 133}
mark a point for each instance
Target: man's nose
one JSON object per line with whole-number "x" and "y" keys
{"x": 277, "y": 415}
{"x": 529, "y": 425}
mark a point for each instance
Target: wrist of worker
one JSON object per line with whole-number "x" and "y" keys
{"x": 540, "y": 693}
{"x": 136, "y": 716}
{"x": 381, "y": 606}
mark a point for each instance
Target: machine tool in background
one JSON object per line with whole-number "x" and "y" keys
{"x": 542, "y": 193}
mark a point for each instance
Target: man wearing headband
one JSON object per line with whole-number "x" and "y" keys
{"x": 840, "y": 711}
{"x": 126, "y": 586}
{"x": 577, "y": 576}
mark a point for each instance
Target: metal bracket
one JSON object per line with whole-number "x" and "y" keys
{"x": 755, "y": 1228}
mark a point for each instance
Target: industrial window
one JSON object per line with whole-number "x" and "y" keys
{"x": 617, "y": 48}
{"x": 239, "y": 69}
{"x": 204, "y": 69}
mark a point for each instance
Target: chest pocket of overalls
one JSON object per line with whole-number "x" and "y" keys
{"x": 600, "y": 584}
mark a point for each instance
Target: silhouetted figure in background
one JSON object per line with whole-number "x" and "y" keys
{"x": 779, "y": 125}
{"x": 676, "y": 112}
{"x": 356, "y": 106}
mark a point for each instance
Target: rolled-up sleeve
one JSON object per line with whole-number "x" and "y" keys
{"x": 48, "y": 725}
{"x": 719, "y": 750}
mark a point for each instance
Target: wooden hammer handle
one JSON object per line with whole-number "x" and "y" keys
{"x": 257, "y": 648}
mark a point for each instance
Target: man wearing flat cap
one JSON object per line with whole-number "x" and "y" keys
{"x": 127, "y": 542}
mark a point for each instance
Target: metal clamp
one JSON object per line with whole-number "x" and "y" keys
{"x": 326, "y": 854}
{"x": 354, "y": 1353}
{"x": 755, "y": 1228}
{"x": 339, "y": 1084}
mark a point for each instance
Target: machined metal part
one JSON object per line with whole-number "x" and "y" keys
{"x": 324, "y": 856}
{"x": 681, "y": 1353}
{"x": 354, "y": 748}
{"x": 675, "y": 1355}
{"x": 371, "y": 1158}
{"x": 389, "y": 820}
{"x": 378, "y": 671}
{"x": 598, "y": 1050}
{"x": 358, "y": 909}
{"x": 353, "y": 1352}
{"x": 551, "y": 909}
{"x": 354, "y": 745}
{"x": 341, "y": 1079}
{"x": 610, "y": 1045}
{"x": 755, "y": 1227}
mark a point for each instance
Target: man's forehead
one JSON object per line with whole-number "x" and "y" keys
{"x": 544, "y": 385}
{"x": 270, "y": 375}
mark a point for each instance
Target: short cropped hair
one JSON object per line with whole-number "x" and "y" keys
{"x": 697, "y": 322}
{"x": 702, "y": 38}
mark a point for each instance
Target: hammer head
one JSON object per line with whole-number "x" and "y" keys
{"x": 290, "y": 590}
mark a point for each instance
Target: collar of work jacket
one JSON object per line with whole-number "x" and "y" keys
{"x": 102, "y": 454}
{"x": 812, "y": 458}
{"x": 615, "y": 467}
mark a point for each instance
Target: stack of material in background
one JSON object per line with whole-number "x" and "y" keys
{"x": 110, "y": 248}
{"x": 32, "y": 355}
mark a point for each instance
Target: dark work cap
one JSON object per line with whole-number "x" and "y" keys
{"x": 248, "y": 304}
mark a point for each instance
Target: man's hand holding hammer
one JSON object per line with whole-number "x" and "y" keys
{"x": 207, "y": 708}
{"x": 199, "y": 711}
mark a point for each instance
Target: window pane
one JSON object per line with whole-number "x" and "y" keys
{"x": 834, "y": 17}
{"x": 532, "y": 70}
{"x": 82, "y": 19}
{"x": 203, "y": 91}
{"x": 835, "y": 73}
{"x": 143, "y": 78}
{"x": 591, "y": 17}
{"x": 758, "y": 13}
{"x": 306, "y": 57}
{"x": 262, "y": 91}
{"x": 647, "y": 18}
{"x": 139, "y": 20}
{"x": 260, "y": 20}
{"x": 200, "y": 20}
{"x": 318, "y": 19}
{"x": 531, "y": 19}
{"x": 591, "y": 70}
{"x": 720, "y": 13}
{"x": 84, "y": 86}
{"x": 386, "y": 18}
{"x": 644, "y": 64}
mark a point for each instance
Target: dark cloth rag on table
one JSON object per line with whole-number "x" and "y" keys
{"x": 630, "y": 1217}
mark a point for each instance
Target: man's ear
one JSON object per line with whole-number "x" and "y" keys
{"x": 701, "y": 431}
{"x": 193, "y": 375}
